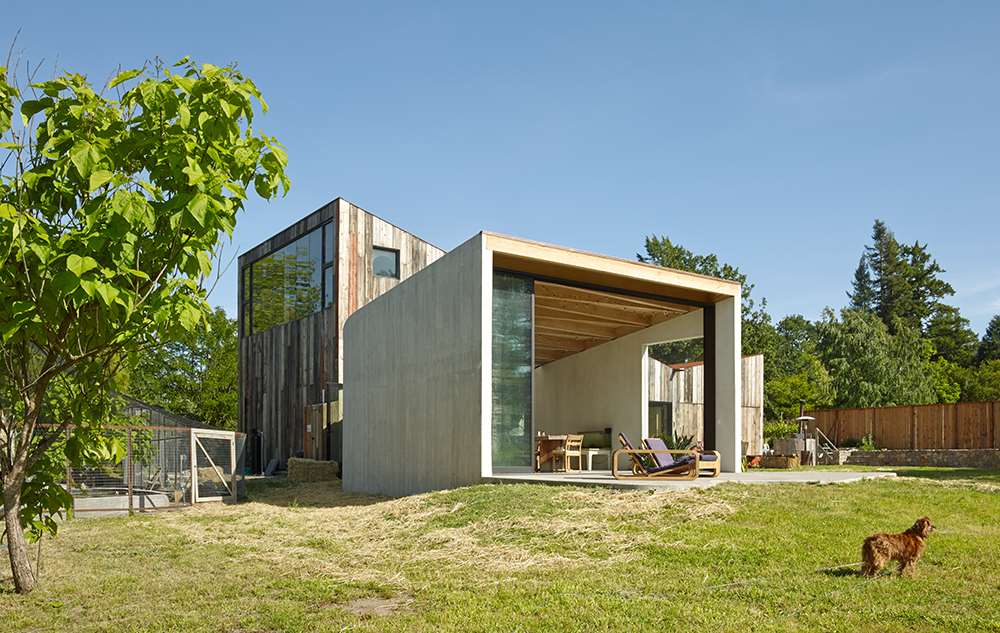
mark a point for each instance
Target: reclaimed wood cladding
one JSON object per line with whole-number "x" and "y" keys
{"x": 291, "y": 366}
{"x": 685, "y": 390}
{"x": 931, "y": 426}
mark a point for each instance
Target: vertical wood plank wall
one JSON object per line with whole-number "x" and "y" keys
{"x": 291, "y": 366}
{"x": 685, "y": 390}
{"x": 948, "y": 426}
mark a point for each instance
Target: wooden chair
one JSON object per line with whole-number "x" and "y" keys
{"x": 572, "y": 447}
{"x": 686, "y": 467}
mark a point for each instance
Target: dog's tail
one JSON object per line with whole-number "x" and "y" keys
{"x": 868, "y": 557}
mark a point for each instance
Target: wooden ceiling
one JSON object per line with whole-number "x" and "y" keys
{"x": 570, "y": 319}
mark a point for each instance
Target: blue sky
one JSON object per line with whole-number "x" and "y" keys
{"x": 770, "y": 133}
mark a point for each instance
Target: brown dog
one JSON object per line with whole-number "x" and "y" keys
{"x": 907, "y": 548}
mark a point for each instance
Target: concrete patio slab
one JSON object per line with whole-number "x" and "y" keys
{"x": 604, "y": 478}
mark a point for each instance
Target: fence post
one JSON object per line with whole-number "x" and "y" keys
{"x": 128, "y": 470}
{"x": 913, "y": 428}
{"x": 194, "y": 467}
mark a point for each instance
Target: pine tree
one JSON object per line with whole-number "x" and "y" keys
{"x": 989, "y": 347}
{"x": 899, "y": 283}
{"x": 862, "y": 293}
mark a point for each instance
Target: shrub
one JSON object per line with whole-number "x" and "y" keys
{"x": 778, "y": 429}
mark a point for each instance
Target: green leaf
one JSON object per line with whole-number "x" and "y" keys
{"x": 124, "y": 76}
{"x": 197, "y": 208}
{"x": 107, "y": 293}
{"x": 65, "y": 282}
{"x": 31, "y": 107}
{"x": 99, "y": 178}
{"x": 80, "y": 265}
{"x": 7, "y": 211}
{"x": 84, "y": 157}
{"x": 184, "y": 116}
{"x": 89, "y": 287}
{"x": 184, "y": 83}
{"x": 189, "y": 317}
{"x": 204, "y": 263}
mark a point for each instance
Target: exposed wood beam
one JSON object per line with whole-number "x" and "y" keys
{"x": 544, "y": 288}
{"x": 571, "y": 333}
{"x": 604, "y": 313}
{"x": 564, "y": 317}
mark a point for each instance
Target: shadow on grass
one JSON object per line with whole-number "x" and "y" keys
{"x": 281, "y": 492}
{"x": 946, "y": 474}
{"x": 841, "y": 572}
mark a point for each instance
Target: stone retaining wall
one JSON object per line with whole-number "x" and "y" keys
{"x": 987, "y": 458}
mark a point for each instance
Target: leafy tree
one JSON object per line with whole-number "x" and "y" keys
{"x": 111, "y": 209}
{"x": 758, "y": 330}
{"x": 984, "y": 383}
{"x": 869, "y": 366}
{"x": 811, "y": 386}
{"x": 989, "y": 347}
{"x": 952, "y": 337}
{"x": 948, "y": 378}
{"x": 194, "y": 375}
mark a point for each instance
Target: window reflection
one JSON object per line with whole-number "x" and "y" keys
{"x": 288, "y": 283}
{"x": 512, "y": 367}
{"x": 385, "y": 262}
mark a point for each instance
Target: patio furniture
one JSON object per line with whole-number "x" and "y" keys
{"x": 545, "y": 447}
{"x": 685, "y": 467}
{"x": 709, "y": 462}
{"x": 572, "y": 447}
{"x": 589, "y": 454}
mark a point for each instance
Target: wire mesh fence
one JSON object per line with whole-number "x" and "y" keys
{"x": 164, "y": 467}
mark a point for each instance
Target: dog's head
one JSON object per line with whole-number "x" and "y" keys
{"x": 922, "y": 527}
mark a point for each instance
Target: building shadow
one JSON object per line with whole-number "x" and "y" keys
{"x": 280, "y": 492}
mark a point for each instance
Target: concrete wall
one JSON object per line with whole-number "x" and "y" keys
{"x": 413, "y": 380}
{"x": 607, "y": 385}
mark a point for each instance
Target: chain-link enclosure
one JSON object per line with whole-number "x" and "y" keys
{"x": 164, "y": 467}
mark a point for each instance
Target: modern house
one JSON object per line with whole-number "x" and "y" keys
{"x": 449, "y": 376}
{"x": 296, "y": 291}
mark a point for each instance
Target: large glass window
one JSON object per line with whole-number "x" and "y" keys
{"x": 512, "y": 367}
{"x": 385, "y": 262}
{"x": 289, "y": 284}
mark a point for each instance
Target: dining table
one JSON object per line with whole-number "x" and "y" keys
{"x": 545, "y": 447}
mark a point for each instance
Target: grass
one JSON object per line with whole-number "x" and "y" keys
{"x": 307, "y": 557}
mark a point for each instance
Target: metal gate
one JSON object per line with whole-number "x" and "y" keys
{"x": 213, "y": 457}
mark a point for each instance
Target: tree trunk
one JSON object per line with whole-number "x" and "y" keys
{"x": 17, "y": 546}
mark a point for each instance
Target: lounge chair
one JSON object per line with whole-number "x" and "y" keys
{"x": 709, "y": 462}
{"x": 661, "y": 466}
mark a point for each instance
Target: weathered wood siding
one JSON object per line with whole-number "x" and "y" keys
{"x": 291, "y": 366}
{"x": 685, "y": 390}
{"x": 357, "y": 234}
{"x": 940, "y": 426}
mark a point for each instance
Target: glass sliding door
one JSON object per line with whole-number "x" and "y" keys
{"x": 512, "y": 371}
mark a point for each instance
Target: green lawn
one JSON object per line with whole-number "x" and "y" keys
{"x": 529, "y": 558}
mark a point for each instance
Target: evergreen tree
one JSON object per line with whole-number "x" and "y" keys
{"x": 899, "y": 283}
{"x": 952, "y": 337}
{"x": 862, "y": 293}
{"x": 989, "y": 347}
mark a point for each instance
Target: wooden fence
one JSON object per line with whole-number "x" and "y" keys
{"x": 961, "y": 425}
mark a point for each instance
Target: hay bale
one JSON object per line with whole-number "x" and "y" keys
{"x": 311, "y": 470}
